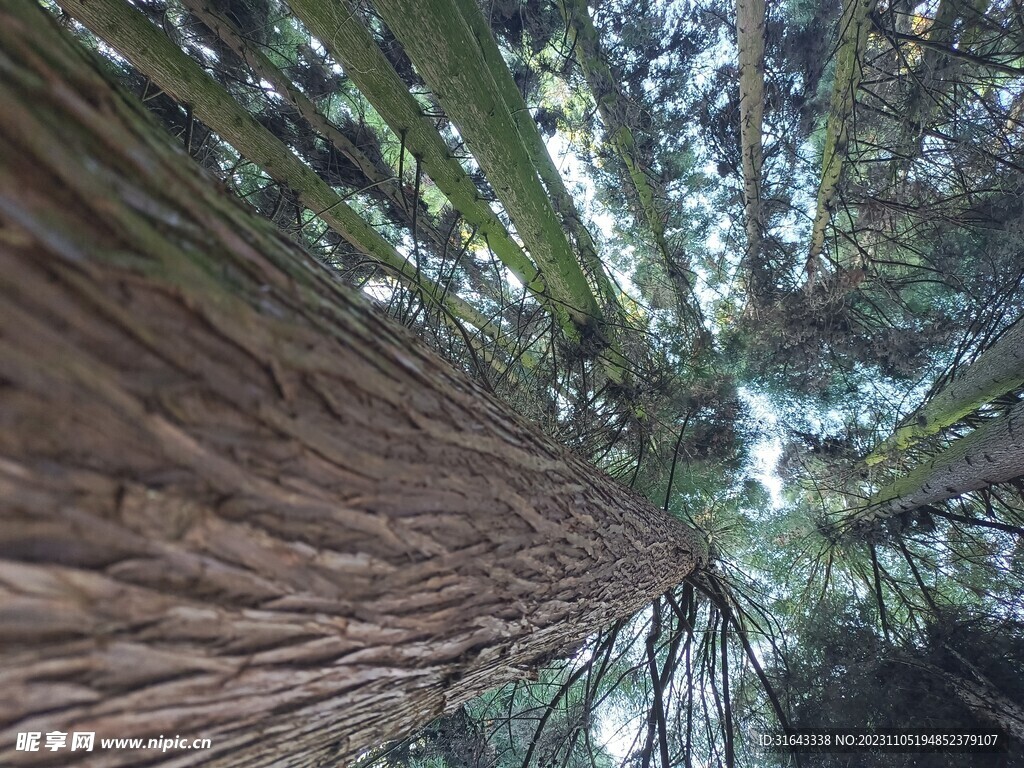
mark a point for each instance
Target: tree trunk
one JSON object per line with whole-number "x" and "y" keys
{"x": 238, "y": 503}
{"x": 985, "y": 701}
{"x": 853, "y": 31}
{"x": 537, "y": 149}
{"x": 998, "y": 370}
{"x": 583, "y": 39}
{"x": 345, "y": 38}
{"x": 991, "y": 454}
{"x": 750, "y": 37}
{"x": 978, "y": 693}
{"x": 975, "y": 691}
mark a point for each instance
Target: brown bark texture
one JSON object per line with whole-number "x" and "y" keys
{"x": 238, "y": 504}
{"x": 976, "y": 692}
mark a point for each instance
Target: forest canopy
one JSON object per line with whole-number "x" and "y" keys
{"x": 760, "y": 263}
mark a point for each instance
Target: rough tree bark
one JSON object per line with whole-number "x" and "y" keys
{"x": 238, "y": 503}
{"x": 987, "y": 702}
{"x": 983, "y": 697}
{"x": 975, "y": 691}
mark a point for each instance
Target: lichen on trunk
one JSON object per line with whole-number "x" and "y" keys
{"x": 997, "y": 371}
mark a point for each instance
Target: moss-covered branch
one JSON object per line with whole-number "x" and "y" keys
{"x": 536, "y": 148}
{"x": 381, "y": 183}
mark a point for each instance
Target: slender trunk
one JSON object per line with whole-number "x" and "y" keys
{"x": 614, "y": 111}
{"x": 345, "y": 38}
{"x": 440, "y": 45}
{"x": 151, "y": 52}
{"x": 853, "y": 31}
{"x": 534, "y": 145}
{"x": 238, "y": 503}
{"x": 991, "y": 454}
{"x": 750, "y": 32}
{"x": 998, "y": 370}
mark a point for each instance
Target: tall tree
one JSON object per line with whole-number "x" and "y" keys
{"x": 991, "y": 454}
{"x": 228, "y": 580}
{"x": 535, "y": 147}
{"x": 378, "y": 180}
{"x": 350, "y": 42}
{"x": 614, "y": 109}
{"x": 439, "y": 42}
{"x": 238, "y": 502}
{"x": 853, "y": 35}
